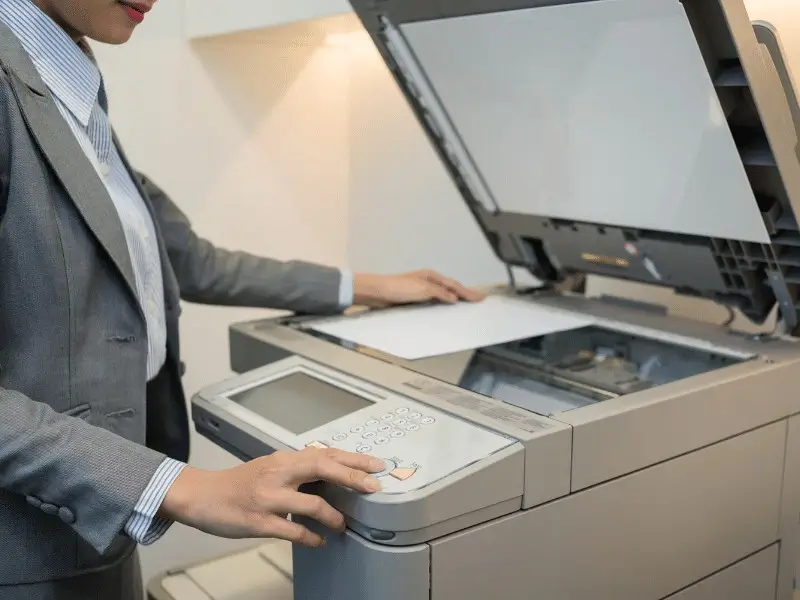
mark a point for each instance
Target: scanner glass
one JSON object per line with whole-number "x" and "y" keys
{"x": 299, "y": 402}
{"x": 565, "y": 370}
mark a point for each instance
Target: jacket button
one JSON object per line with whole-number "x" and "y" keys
{"x": 33, "y": 501}
{"x": 49, "y": 509}
{"x": 66, "y": 515}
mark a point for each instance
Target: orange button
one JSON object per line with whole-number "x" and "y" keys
{"x": 403, "y": 473}
{"x": 319, "y": 445}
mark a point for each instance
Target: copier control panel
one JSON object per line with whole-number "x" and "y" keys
{"x": 302, "y": 404}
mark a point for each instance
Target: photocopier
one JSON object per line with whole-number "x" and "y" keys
{"x": 636, "y": 455}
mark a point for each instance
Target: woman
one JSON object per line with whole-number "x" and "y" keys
{"x": 94, "y": 260}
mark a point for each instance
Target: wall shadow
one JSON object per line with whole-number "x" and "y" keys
{"x": 238, "y": 63}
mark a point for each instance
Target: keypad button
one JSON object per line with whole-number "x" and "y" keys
{"x": 369, "y": 435}
{"x": 428, "y": 421}
{"x": 357, "y": 429}
{"x": 319, "y": 445}
{"x": 384, "y": 428}
{"x": 372, "y": 423}
{"x": 412, "y": 427}
{"x": 364, "y": 448}
{"x": 396, "y": 434}
{"x": 388, "y": 467}
{"x": 402, "y": 411}
{"x": 339, "y": 437}
{"x": 381, "y": 441}
{"x": 403, "y": 473}
{"x": 400, "y": 422}
{"x": 387, "y": 417}
{"x": 414, "y": 415}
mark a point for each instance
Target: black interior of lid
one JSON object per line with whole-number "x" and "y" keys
{"x": 749, "y": 276}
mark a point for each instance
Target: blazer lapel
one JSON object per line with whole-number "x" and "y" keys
{"x": 65, "y": 155}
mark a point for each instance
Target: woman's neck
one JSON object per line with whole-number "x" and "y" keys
{"x": 46, "y": 6}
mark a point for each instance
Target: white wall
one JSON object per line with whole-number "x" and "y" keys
{"x": 249, "y": 138}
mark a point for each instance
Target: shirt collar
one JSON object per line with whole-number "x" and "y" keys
{"x": 65, "y": 68}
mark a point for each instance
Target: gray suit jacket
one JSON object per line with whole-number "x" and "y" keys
{"x": 73, "y": 460}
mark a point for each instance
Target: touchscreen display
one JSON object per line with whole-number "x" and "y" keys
{"x": 299, "y": 402}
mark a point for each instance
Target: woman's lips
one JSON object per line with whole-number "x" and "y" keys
{"x": 135, "y": 11}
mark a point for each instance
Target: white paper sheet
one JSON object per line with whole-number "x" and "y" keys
{"x": 416, "y": 332}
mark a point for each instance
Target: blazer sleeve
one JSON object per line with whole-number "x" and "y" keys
{"x": 5, "y": 148}
{"x": 87, "y": 476}
{"x": 210, "y": 275}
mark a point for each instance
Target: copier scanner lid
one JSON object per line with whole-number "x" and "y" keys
{"x": 649, "y": 140}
